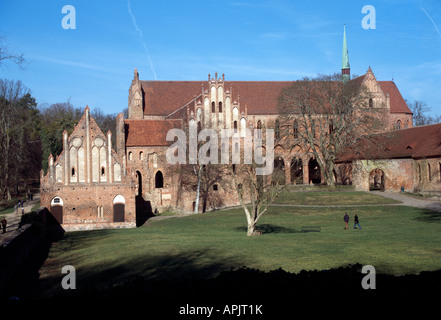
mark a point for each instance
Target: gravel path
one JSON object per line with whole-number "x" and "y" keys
{"x": 412, "y": 201}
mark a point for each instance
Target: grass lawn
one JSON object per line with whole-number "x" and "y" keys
{"x": 394, "y": 239}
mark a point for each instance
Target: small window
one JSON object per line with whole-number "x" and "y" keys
{"x": 213, "y": 107}
{"x": 295, "y": 129}
{"x": 73, "y": 172}
{"x": 277, "y": 129}
{"x": 220, "y": 106}
{"x": 235, "y": 126}
{"x": 259, "y": 129}
{"x": 103, "y": 171}
{"x": 429, "y": 171}
{"x": 371, "y": 103}
{"x": 57, "y": 200}
{"x": 141, "y": 155}
{"x": 215, "y": 187}
{"x": 399, "y": 124}
{"x": 130, "y": 155}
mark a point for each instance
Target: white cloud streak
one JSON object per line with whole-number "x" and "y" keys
{"x": 433, "y": 22}
{"x": 129, "y": 10}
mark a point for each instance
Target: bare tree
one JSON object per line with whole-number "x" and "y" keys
{"x": 323, "y": 115}
{"x": 255, "y": 192}
{"x": 6, "y": 54}
{"x": 420, "y": 116}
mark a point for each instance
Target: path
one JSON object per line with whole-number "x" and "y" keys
{"x": 412, "y": 201}
{"x": 14, "y": 218}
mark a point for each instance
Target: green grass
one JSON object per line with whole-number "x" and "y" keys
{"x": 394, "y": 239}
{"x": 332, "y": 198}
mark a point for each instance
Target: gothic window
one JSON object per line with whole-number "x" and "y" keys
{"x": 429, "y": 171}
{"x": 73, "y": 172}
{"x": 371, "y": 103}
{"x": 277, "y": 129}
{"x": 399, "y": 124}
{"x": 213, "y": 107}
{"x": 295, "y": 129}
{"x": 259, "y": 129}
{"x": 103, "y": 171}
{"x": 130, "y": 156}
{"x": 141, "y": 155}
{"x": 215, "y": 187}
{"x": 235, "y": 126}
{"x": 220, "y": 106}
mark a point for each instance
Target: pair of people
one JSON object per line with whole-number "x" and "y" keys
{"x": 356, "y": 221}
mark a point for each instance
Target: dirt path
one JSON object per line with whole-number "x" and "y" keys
{"x": 14, "y": 218}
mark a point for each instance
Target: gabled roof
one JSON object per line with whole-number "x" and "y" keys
{"x": 149, "y": 132}
{"x": 415, "y": 143}
{"x": 163, "y": 98}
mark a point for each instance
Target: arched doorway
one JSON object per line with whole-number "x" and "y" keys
{"x": 159, "y": 180}
{"x": 278, "y": 176}
{"x": 57, "y": 209}
{"x": 119, "y": 208}
{"x": 376, "y": 180}
{"x": 143, "y": 208}
{"x": 296, "y": 171}
{"x": 315, "y": 175}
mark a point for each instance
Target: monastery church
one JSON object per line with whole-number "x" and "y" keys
{"x": 89, "y": 185}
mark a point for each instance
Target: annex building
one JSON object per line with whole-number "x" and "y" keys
{"x": 90, "y": 185}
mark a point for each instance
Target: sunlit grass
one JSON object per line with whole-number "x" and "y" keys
{"x": 394, "y": 239}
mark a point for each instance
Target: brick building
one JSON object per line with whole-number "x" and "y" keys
{"x": 90, "y": 184}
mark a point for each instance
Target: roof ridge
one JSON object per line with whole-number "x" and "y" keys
{"x": 180, "y": 108}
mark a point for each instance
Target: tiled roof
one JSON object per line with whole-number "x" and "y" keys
{"x": 416, "y": 142}
{"x": 162, "y": 98}
{"x": 397, "y": 103}
{"x": 149, "y": 132}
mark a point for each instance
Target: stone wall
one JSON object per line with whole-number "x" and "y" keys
{"x": 397, "y": 173}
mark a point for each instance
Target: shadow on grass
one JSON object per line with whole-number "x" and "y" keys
{"x": 172, "y": 269}
{"x": 429, "y": 216}
{"x": 271, "y": 228}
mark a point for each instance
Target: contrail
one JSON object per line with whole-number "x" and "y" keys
{"x": 433, "y": 22}
{"x": 141, "y": 36}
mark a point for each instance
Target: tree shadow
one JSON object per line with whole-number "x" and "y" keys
{"x": 429, "y": 216}
{"x": 270, "y": 228}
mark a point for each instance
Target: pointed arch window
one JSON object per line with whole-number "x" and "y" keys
{"x": 295, "y": 127}
{"x": 259, "y": 129}
{"x": 220, "y": 107}
{"x": 213, "y": 107}
{"x": 371, "y": 103}
{"x": 277, "y": 129}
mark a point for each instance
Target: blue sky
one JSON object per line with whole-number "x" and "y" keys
{"x": 244, "y": 39}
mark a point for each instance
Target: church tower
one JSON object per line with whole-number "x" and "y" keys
{"x": 136, "y": 98}
{"x": 345, "y": 68}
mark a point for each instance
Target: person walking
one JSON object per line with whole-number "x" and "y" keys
{"x": 346, "y": 220}
{"x": 4, "y": 223}
{"x": 356, "y": 222}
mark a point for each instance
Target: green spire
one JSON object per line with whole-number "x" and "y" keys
{"x": 345, "y": 68}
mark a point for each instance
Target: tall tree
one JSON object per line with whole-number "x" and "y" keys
{"x": 55, "y": 119}
{"x": 20, "y": 151}
{"x": 323, "y": 115}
